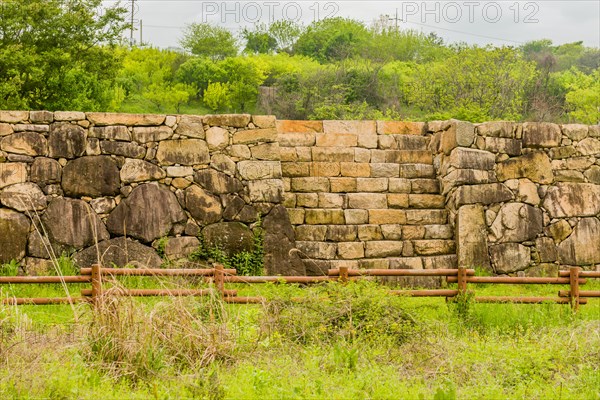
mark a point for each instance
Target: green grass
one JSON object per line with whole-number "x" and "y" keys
{"x": 347, "y": 342}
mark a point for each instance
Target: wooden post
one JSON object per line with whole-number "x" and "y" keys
{"x": 462, "y": 281}
{"x": 344, "y": 274}
{"x": 219, "y": 278}
{"x": 96, "y": 284}
{"x": 574, "y": 286}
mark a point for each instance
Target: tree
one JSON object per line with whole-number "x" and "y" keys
{"x": 259, "y": 40}
{"x": 58, "y": 54}
{"x": 285, "y": 33}
{"x": 244, "y": 76}
{"x": 199, "y": 72}
{"x": 210, "y": 41}
{"x": 332, "y": 39}
{"x": 217, "y": 96}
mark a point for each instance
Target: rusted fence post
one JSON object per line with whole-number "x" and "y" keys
{"x": 574, "y": 288}
{"x": 219, "y": 278}
{"x": 344, "y": 274}
{"x": 96, "y": 284}
{"x": 462, "y": 281}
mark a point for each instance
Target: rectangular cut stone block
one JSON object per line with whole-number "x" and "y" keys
{"x": 31, "y": 128}
{"x": 362, "y": 155}
{"x": 426, "y": 217}
{"x": 343, "y": 185}
{"x": 356, "y": 217}
{"x": 149, "y": 134}
{"x": 484, "y": 194}
{"x": 310, "y": 200}
{"x": 434, "y": 247}
{"x": 512, "y": 147}
{"x": 371, "y": 184}
{"x": 14, "y": 117}
{"x": 287, "y": 126}
{"x": 118, "y": 132}
{"x": 289, "y": 200}
{"x": 311, "y": 233}
{"x": 425, "y": 186}
{"x": 411, "y": 232}
{"x": 367, "y": 141}
{"x": 426, "y": 201}
{"x": 355, "y": 169}
{"x": 378, "y": 156}
{"x": 295, "y": 139}
{"x": 12, "y": 173}
{"x": 69, "y": 116}
{"x": 409, "y": 156}
{"x": 351, "y": 250}
{"x": 399, "y": 185}
{"x": 391, "y": 231}
{"x": 501, "y": 129}
{"x": 438, "y": 232}
{"x": 541, "y": 134}
{"x": 331, "y": 200}
{"x": 384, "y": 248}
{"x": 463, "y": 158}
{"x": 401, "y": 127}
{"x": 311, "y": 184}
{"x": 357, "y": 127}
{"x": 459, "y": 133}
{"x": 439, "y": 262}
{"x": 387, "y": 217}
{"x": 101, "y": 119}
{"x": 336, "y": 139}
{"x": 387, "y": 142}
{"x": 304, "y": 153}
{"x": 331, "y": 154}
{"x": 367, "y": 200}
{"x": 412, "y": 142}
{"x": 317, "y": 250}
{"x": 324, "y": 169}
{"x": 324, "y": 217}
{"x": 266, "y": 190}
{"x": 184, "y": 152}
{"x": 370, "y": 232}
{"x": 381, "y": 170}
{"x": 296, "y": 215}
{"x": 133, "y": 150}
{"x": 264, "y": 121}
{"x": 416, "y": 171}
{"x": 459, "y": 177}
{"x": 226, "y": 120}
{"x": 266, "y": 151}
{"x": 295, "y": 169}
{"x": 397, "y": 200}
{"x": 285, "y": 153}
{"x": 255, "y": 136}
{"x": 341, "y": 233}
{"x": 374, "y": 263}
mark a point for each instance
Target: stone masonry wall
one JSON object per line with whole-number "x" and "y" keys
{"x": 70, "y": 179}
{"x": 525, "y": 197}
{"x": 503, "y": 196}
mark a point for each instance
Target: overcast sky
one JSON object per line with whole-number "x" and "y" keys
{"x": 475, "y": 22}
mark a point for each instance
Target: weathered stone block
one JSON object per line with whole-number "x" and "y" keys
{"x": 331, "y": 154}
{"x": 517, "y": 222}
{"x": 541, "y": 134}
{"x": 397, "y": 200}
{"x": 416, "y": 171}
{"x": 471, "y": 237}
{"x": 434, "y": 247}
{"x": 426, "y": 201}
{"x": 121, "y": 252}
{"x": 45, "y": 171}
{"x": 317, "y": 250}
{"x": 572, "y": 200}
{"x": 568, "y": 176}
{"x": 295, "y": 139}
{"x": 512, "y": 147}
{"x": 233, "y": 120}
{"x": 484, "y": 194}
{"x": 69, "y": 116}
{"x": 41, "y": 117}
{"x": 100, "y": 119}
{"x": 582, "y": 247}
{"x": 391, "y": 231}
{"x": 399, "y": 185}
{"x": 367, "y": 200}
{"x": 264, "y": 121}
{"x": 371, "y": 184}
{"x": 410, "y": 232}
{"x": 350, "y": 250}
{"x": 367, "y": 141}
{"x": 151, "y": 134}
{"x": 331, "y": 200}
{"x": 184, "y": 152}
{"x": 231, "y": 237}
{"x": 341, "y": 233}
{"x": 509, "y": 257}
{"x": 312, "y": 184}
{"x": 559, "y": 230}
{"x": 27, "y": 143}
{"x": 501, "y": 129}
{"x": 401, "y": 127}
{"x": 255, "y": 136}
{"x": 369, "y": 232}
{"x": 438, "y": 232}
{"x": 11, "y": 173}
{"x": 312, "y": 233}
{"x": 14, "y": 117}
{"x": 546, "y": 249}
{"x": 23, "y": 197}
{"x": 426, "y": 217}
{"x": 384, "y": 248}
{"x": 559, "y": 153}
{"x": 301, "y": 126}
{"x": 310, "y": 200}
{"x": 103, "y": 205}
{"x": 384, "y": 170}
{"x": 5, "y": 129}
{"x": 296, "y": 215}
{"x": 93, "y": 176}
{"x": 125, "y": 149}
{"x": 190, "y": 126}
{"x": 66, "y": 140}
{"x": 356, "y": 127}
{"x": 463, "y": 158}
{"x": 589, "y": 146}
{"x": 355, "y": 169}
{"x": 387, "y": 216}
{"x": 356, "y": 217}
{"x": 336, "y": 139}
{"x": 252, "y": 170}
{"x": 117, "y": 132}
{"x": 324, "y": 217}
{"x": 324, "y": 169}
{"x": 535, "y": 166}
{"x": 266, "y": 151}
{"x": 14, "y": 228}
{"x": 575, "y": 131}
{"x": 408, "y": 156}
{"x": 425, "y": 186}
{"x": 266, "y": 190}
{"x": 593, "y": 174}
{"x": 343, "y": 185}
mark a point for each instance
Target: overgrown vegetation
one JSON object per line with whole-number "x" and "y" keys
{"x": 344, "y": 341}
{"x": 333, "y": 68}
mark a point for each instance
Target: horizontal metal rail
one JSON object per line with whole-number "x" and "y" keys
{"x": 425, "y": 293}
{"x": 400, "y": 272}
{"x": 159, "y": 292}
{"x": 42, "y": 300}
{"x": 525, "y": 300}
{"x": 156, "y": 272}
{"x": 515, "y": 280}
{"x": 582, "y": 274}
{"x": 278, "y": 279}
{"x": 45, "y": 279}
{"x": 582, "y": 293}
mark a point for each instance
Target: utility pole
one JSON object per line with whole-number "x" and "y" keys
{"x": 134, "y": 10}
{"x": 395, "y": 19}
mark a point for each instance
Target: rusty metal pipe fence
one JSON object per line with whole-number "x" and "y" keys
{"x": 218, "y": 276}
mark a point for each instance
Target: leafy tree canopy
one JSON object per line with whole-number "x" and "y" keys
{"x": 210, "y": 41}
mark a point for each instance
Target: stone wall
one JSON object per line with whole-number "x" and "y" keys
{"x": 69, "y": 180}
{"x": 364, "y": 194}
{"x": 503, "y": 196}
{"x": 525, "y": 197}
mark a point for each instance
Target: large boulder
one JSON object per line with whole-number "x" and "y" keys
{"x": 572, "y": 200}
{"x": 119, "y": 251}
{"x": 517, "y": 222}
{"x": 151, "y": 211}
{"x": 27, "y": 143}
{"x": 139, "y": 170}
{"x": 23, "y": 197}
{"x": 202, "y": 205}
{"x": 182, "y": 151}
{"x": 14, "y": 228}
{"x": 231, "y": 237}
{"x": 471, "y": 237}
{"x": 582, "y": 247}
{"x": 11, "y": 173}
{"x": 509, "y": 257}
{"x": 66, "y": 140}
{"x": 279, "y": 243}
{"x": 45, "y": 171}
{"x": 73, "y": 223}
{"x": 93, "y": 176}
{"x": 535, "y": 166}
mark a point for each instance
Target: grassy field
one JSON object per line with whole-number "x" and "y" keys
{"x": 350, "y": 341}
